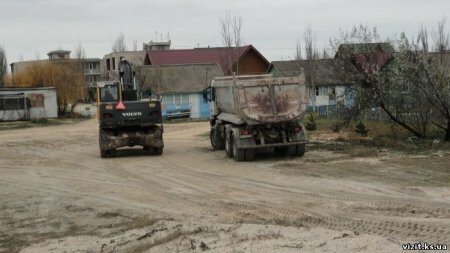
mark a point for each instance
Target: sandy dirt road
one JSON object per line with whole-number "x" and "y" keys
{"x": 58, "y": 195}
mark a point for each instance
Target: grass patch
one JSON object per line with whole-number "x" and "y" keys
{"x": 182, "y": 120}
{"x": 381, "y": 134}
{"x": 8, "y": 125}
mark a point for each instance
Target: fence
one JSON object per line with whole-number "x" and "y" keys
{"x": 332, "y": 111}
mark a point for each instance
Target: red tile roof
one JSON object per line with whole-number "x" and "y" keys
{"x": 217, "y": 55}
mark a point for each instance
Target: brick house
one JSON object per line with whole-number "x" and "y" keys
{"x": 245, "y": 60}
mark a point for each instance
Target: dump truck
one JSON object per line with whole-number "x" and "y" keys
{"x": 257, "y": 113}
{"x": 125, "y": 119}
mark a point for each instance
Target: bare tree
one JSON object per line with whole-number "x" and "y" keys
{"x": 349, "y": 71}
{"x": 135, "y": 45}
{"x": 3, "y": 67}
{"x": 237, "y": 27}
{"x": 79, "y": 52}
{"x": 151, "y": 79}
{"x": 298, "y": 51}
{"x": 422, "y": 39}
{"x": 227, "y": 38}
{"x": 119, "y": 44}
{"x": 437, "y": 82}
{"x": 311, "y": 55}
{"x": 66, "y": 76}
{"x": 226, "y": 30}
{"x": 310, "y": 40}
{"x": 230, "y": 31}
{"x": 441, "y": 37}
{"x": 397, "y": 90}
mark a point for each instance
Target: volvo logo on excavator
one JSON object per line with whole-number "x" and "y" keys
{"x": 131, "y": 114}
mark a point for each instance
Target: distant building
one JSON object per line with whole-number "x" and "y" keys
{"x": 59, "y": 55}
{"x": 368, "y": 58}
{"x": 110, "y": 62}
{"x": 245, "y": 60}
{"x": 164, "y": 45}
{"x": 92, "y": 74}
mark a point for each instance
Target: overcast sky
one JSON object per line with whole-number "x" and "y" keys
{"x": 31, "y": 28}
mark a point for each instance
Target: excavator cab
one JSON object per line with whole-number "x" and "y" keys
{"x": 107, "y": 92}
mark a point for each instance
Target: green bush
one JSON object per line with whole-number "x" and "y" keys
{"x": 311, "y": 123}
{"x": 40, "y": 121}
{"x": 361, "y": 129}
{"x": 336, "y": 127}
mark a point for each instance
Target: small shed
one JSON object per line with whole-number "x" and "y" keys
{"x": 28, "y": 103}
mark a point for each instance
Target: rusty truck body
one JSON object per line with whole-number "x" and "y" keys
{"x": 257, "y": 112}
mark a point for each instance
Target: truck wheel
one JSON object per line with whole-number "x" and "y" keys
{"x": 103, "y": 153}
{"x": 228, "y": 145}
{"x": 301, "y": 149}
{"x": 284, "y": 151}
{"x": 292, "y": 150}
{"x": 238, "y": 153}
{"x": 112, "y": 152}
{"x": 216, "y": 141}
{"x": 249, "y": 154}
{"x": 158, "y": 151}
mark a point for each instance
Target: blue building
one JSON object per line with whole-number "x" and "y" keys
{"x": 180, "y": 87}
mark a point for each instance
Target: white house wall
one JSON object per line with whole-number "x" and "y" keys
{"x": 49, "y": 108}
{"x": 194, "y": 100}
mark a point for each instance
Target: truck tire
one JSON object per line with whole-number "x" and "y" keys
{"x": 112, "y": 152}
{"x": 300, "y": 149}
{"x": 216, "y": 141}
{"x": 103, "y": 153}
{"x": 238, "y": 153}
{"x": 249, "y": 154}
{"x": 228, "y": 145}
{"x": 158, "y": 151}
{"x": 283, "y": 151}
{"x": 292, "y": 150}
{"x": 106, "y": 153}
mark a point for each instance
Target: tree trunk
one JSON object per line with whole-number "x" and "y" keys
{"x": 401, "y": 123}
{"x": 447, "y": 131}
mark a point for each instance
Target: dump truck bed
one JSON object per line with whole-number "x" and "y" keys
{"x": 261, "y": 99}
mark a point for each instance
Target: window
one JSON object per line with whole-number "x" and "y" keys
{"x": 113, "y": 63}
{"x": 168, "y": 99}
{"x": 109, "y": 94}
{"x": 12, "y": 104}
{"x": 185, "y": 99}
{"x": 325, "y": 90}
{"x": 108, "y": 64}
{"x": 164, "y": 100}
{"x": 177, "y": 99}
